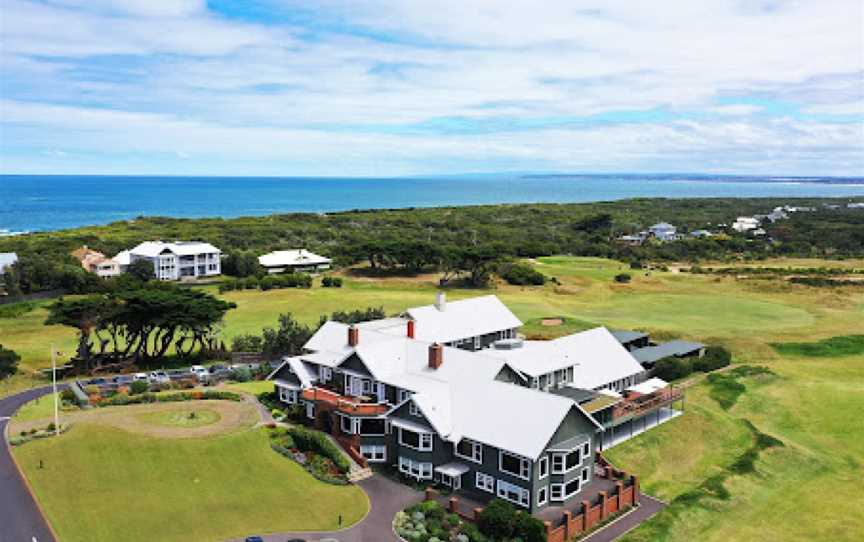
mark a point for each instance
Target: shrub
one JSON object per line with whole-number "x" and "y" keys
{"x": 527, "y": 528}
{"x": 497, "y": 520}
{"x": 91, "y": 390}
{"x": 430, "y": 509}
{"x": 715, "y": 357}
{"x": 472, "y": 532}
{"x": 68, "y": 395}
{"x": 118, "y": 399}
{"x": 672, "y": 368}
{"x": 623, "y": 278}
{"x": 521, "y": 274}
{"x": 315, "y": 441}
{"x": 636, "y": 264}
{"x": 242, "y": 374}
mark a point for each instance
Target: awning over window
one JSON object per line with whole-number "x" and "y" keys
{"x": 452, "y": 470}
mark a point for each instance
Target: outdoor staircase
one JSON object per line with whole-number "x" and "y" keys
{"x": 358, "y": 473}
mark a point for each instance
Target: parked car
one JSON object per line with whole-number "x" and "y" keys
{"x": 200, "y": 372}
{"x": 140, "y": 376}
{"x": 219, "y": 372}
{"x": 158, "y": 377}
{"x": 123, "y": 380}
{"x": 254, "y": 539}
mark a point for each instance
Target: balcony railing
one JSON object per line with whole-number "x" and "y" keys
{"x": 347, "y": 405}
{"x": 637, "y": 406}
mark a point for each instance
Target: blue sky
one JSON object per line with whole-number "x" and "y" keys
{"x": 398, "y": 88}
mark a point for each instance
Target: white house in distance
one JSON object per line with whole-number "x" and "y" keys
{"x": 289, "y": 261}
{"x": 745, "y": 223}
{"x": 181, "y": 260}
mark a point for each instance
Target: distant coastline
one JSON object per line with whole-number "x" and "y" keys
{"x": 49, "y": 202}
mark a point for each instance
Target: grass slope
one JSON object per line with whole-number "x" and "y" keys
{"x": 97, "y": 480}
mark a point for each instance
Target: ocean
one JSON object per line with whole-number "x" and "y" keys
{"x": 43, "y": 202}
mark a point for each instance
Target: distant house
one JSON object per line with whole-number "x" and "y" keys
{"x": 181, "y": 260}
{"x": 701, "y": 234}
{"x": 855, "y": 205}
{"x": 123, "y": 259}
{"x": 632, "y": 240}
{"x": 663, "y": 231}
{"x": 96, "y": 262}
{"x": 779, "y": 213}
{"x": 299, "y": 260}
{"x": 745, "y": 223}
{"x": 7, "y": 259}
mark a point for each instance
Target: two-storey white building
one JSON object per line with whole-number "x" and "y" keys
{"x": 181, "y": 260}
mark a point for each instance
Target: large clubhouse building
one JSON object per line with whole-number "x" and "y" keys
{"x": 451, "y": 393}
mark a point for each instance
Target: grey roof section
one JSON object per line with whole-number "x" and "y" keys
{"x": 651, "y": 354}
{"x": 6, "y": 260}
{"x": 575, "y": 394}
{"x": 625, "y": 336}
{"x": 570, "y": 443}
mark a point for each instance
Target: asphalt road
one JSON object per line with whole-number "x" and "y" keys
{"x": 20, "y": 518}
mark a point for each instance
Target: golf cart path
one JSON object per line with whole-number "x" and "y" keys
{"x": 20, "y": 517}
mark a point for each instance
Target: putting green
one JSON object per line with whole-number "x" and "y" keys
{"x": 187, "y": 417}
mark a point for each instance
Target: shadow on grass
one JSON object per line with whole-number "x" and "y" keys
{"x": 844, "y": 345}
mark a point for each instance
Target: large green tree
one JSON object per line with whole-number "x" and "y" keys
{"x": 8, "y": 362}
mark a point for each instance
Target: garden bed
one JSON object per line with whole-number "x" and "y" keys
{"x": 313, "y": 451}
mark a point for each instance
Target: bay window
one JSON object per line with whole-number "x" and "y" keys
{"x": 413, "y": 439}
{"x": 513, "y": 493}
{"x": 415, "y": 469}
{"x": 468, "y": 449}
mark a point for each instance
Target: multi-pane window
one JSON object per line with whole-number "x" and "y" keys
{"x": 513, "y": 493}
{"x": 513, "y": 464}
{"x": 402, "y": 395}
{"x": 349, "y": 425}
{"x": 485, "y": 482}
{"x": 542, "y": 496}
{"x": 415, "y": 469}
{"x": 413, "y": 439}
{"x": 413, "y": 410}
{"x": 375, "y": 453}
{"x": 471, "y": 450}
{"x": 566, "y": 461}
{"x": 543, "y": 468}
{"x": 325, "y": 373}
{"x": 373, "y": 426}
{"x": 585, "y": 474}
{"x": 287, "y": 395}
{"x": 562, "y": 492}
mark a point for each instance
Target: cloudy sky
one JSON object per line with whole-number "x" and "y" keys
{"x": 272, "y": 87}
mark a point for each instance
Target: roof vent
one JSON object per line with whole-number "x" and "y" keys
{"x": 441, "y": 301}
{"x": 508, "y": 344}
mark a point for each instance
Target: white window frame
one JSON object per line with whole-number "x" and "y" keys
{"x": 586, "y": 475}
{"x": 402, "y": 395}
{"x": 374, "y": 453}
{"x": 542, "y": 495}
{"x": 558, "y": 489}
{"x": 414, "y": 410}
{"x": 353, "y": 423}
{"x": 543, "y": 465}
{"x": 287, "y": 395}
{"x": 524, "y": 466}
{"x": 503, "y": 488}
{"x": 310, "y": 410}
{"x": 424, "y": 440}
{"x": 360, "y": 427}
{"x": 586, "y": 449}
{"x": 325, "y": 373}
{"x": 562, "y": 457}
{"x": 478, "y": 342}
{"x": 476, "y": 451}
{"x": 415, "y": 469}
{"x": 484, "y": 482}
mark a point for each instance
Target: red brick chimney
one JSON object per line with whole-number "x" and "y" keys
{"x": 353, "y": 335}
{"x": 436, "y": 356}
{"x": 410, "y": 329}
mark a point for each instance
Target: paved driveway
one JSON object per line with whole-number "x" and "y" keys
{"x": 386, "y": 497}
{"x": 20, "y": 518}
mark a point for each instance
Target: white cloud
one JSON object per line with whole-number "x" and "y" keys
{"x": 461, "y": 80}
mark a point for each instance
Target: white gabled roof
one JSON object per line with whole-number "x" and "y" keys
{"x": 151, "y": 249}
{"x": 124, "y": 257}
{"x": 280, "y": 258}
{"x": 597, "y": 356}
{"x": 461, "y": 319}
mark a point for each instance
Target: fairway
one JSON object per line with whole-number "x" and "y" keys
{"x": 105, "y": 484}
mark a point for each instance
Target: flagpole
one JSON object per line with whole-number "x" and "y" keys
{"x": 54, "y": 385}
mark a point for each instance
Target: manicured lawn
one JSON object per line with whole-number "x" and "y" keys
{"x": 182, "y": 418}
{"x": 104, "y": 484}
{"x": 37, "y": 409}
{"x": 254, "y": 387}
